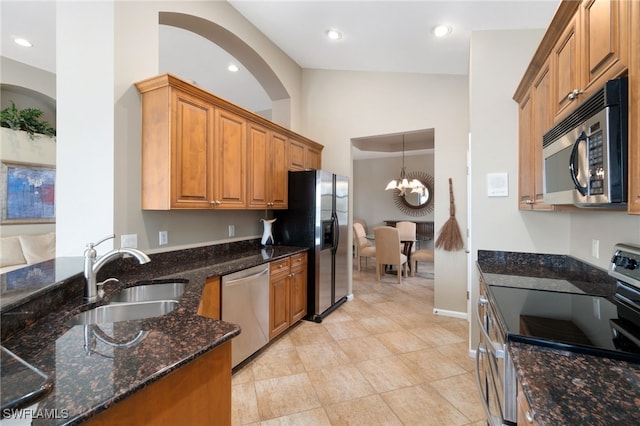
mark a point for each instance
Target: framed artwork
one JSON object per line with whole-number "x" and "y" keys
{"x": 28, "y": 193}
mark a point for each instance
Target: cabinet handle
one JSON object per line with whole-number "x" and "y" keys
{"x": 571, "y": 96}
{"x": 529, "y": 202}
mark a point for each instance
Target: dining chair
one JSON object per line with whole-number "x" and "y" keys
{"x": 407, "y": 232}
{"x": 364, "y": 248}
{"x": 363, "y": 223}
{"x": 422, "y": 255}
{"x": 388, "y": 251}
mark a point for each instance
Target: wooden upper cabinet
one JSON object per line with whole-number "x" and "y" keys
{"x": 296, "y": 155}
{"x": 541, "y": 121}
{"x": 593, "y": 48}
{"x": 200, "y": 151}
{"x": 230, "y": 160}
{"x": 525, "y": 165}
{"x": 313, "y": 158}
{"x": 304, "y": 156}
{"x": 534, "y": 120}
{"x": 177, "y": 143}
{"x": 267, "y": 168}
{"x": 192, "y": 147}
{"x": 565, "y": 70}
{"x": 605, "y": 37}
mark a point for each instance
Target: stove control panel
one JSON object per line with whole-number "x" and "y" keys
{"x": 625, "y": 264}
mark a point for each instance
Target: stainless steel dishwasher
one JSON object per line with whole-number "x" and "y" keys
{"x": 245, "y": 301}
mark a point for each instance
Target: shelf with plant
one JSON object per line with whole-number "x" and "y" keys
{"x": 28, "y": 119}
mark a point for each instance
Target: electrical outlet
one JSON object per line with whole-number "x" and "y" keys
{"x": 129, "y": 240}
{"x": 232, "y": 230}
{"x": 595, "y": 248}
{"x": 163, "y": 238}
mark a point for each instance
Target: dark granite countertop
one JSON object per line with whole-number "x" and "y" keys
{"x": 90, "y": 375}
{"x": 550, "y": 272}
{"x": 565, "y": 388}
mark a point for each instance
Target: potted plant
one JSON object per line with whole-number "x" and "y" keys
{"x": 28, "y": 120}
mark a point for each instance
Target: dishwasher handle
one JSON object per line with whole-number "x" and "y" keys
{"x": 247, "y": 278}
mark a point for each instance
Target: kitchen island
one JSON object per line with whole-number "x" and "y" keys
{"x": 93, "y": 368}
{"x": 562, "y": 385}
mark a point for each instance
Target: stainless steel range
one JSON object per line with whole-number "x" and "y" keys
{"x": 572, "y": 321}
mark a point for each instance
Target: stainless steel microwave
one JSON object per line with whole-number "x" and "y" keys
{"x": 585, "y": 155}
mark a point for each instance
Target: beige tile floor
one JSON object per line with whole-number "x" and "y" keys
{"x": 381, "y": 359}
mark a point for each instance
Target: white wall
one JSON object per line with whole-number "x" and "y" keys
{"x": 340, "y": 105}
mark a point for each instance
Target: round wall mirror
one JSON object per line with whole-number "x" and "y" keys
{"x": 416, "y": 204}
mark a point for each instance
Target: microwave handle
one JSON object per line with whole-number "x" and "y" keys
{"x": 573, "y": 169}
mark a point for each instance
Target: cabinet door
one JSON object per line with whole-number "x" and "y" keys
{"x": 191, "y": 147}
{"x": 313, "y": 159}
{"x": 542, "y": 120}
{"x": 230, "y": 159}
{"x": 278, "y": 171}
{"x": 298, "y": 287}
{"x": 566, "y": 72}
{"x": 268, "y": 179}
{"x": 525, "y": 169}
{"x": 605, "y": 29}
{"x": 296, "y": 155}
{"x": 258, "y": 185}
{"x": 279, "y": 302}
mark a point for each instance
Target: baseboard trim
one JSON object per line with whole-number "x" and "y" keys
{"x": 349, "y": 297}
{"x": 453, "y": 314}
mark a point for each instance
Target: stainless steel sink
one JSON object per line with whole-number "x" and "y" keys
{"x": 124, "y": 312}
{"x": 149, "y": 292}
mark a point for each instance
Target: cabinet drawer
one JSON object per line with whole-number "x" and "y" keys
{"x": 298, "y": 262}
{"x": 280, "y": 267}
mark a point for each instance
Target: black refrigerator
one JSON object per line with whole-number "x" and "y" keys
{"x": 317, "y": 219}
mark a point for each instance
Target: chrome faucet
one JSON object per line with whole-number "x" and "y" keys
{"x": 93, "y": 265}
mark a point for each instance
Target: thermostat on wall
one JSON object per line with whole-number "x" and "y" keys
{"x": 497, "y": 184}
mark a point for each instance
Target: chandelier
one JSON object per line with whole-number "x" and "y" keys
{"x": 403, "y": 184}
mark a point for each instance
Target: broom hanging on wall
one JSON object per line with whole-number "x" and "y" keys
{"x": 450, "y": 238}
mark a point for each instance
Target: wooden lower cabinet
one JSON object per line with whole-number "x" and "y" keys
{"x": 525, "y": 417}
{"x": 210, "y": 306}
{"x": 287, "y": 293}
{"x": 298, "y": 287}
{"x": 279, "y": 305}
{"x": 198, "y": 393}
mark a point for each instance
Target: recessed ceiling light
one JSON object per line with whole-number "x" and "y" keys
{"x": 334, "y": 34}
{"x": 441, "y": 30}
{"x": 23, "y": 42}
{"x": 233, "y": 68}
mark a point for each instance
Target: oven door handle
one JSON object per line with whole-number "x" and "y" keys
{"x": 496, "y": 348}
{"x": 573, "y": 168}
{"x": 492, "y": 420}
